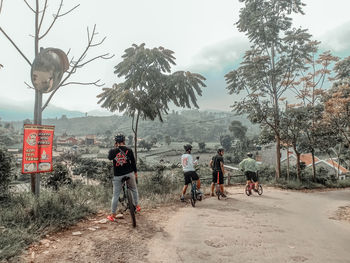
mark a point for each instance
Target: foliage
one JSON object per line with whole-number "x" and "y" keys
{"x": 268, "y": 69}
{"x": 226, "y": 142}
{"x": 7, "y": 136}
{"x": 149, "y": 87}
{"x": 167, "y": 139}
{"x": 6, "y": 171}
{"x": 94, "y": 169}
{"x": 145, "y": 144}
{"x": 25, "y": 219}
{"x": 201, "y": 146}
{"x": 59, "y": 177}
{"x": 239, "y": 131}
{"x": 159, "y": 182}
{"x": 337, "y": 111}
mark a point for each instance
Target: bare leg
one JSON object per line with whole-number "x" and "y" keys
{"x": 222, "y": 188}
{"x": 212, "y": 188}
{"x": 184, "y": 189}
{"x": 198, "y": 184}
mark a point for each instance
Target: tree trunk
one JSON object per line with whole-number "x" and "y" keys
{"x": 35, "y": 178}
{"x": 135, "y": 134}
{"x": 313, "y": 165}
{"x": 287, "y": 163}
{"x": 298, "y": 162}
{"x": 278, "y": 157}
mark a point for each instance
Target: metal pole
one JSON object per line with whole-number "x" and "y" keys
{"x": 38, "y": 94}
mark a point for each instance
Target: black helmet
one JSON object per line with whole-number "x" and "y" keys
{"x": 119, "y": 137}
{"x": 250, "y": 154}
{"x": 188, "y": 147}
{"x": 220, "y": 150}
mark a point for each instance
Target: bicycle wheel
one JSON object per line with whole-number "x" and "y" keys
{"x": 131, "y": 208}
{"x": 193, "y": 195}
{"x": 248, "y": 192}
{"x": 260, "y": 190}
{"x": 218, "y": 192}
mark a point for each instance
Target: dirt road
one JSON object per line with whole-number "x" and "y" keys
{"x": 279, "y": 226}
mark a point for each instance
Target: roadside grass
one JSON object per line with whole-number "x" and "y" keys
{"x": 24, "y": 218}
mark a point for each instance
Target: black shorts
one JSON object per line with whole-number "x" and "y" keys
{"x": 215, "y": 177}
{"x": 251, "y": 176}
{"x": 189, "y": 175}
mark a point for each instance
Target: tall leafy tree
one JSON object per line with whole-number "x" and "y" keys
{"x": 149, "y": 86}
{"x": 309, "y": 89}
{"x": 294, "y": 122}
{"x": 337, "y": 102}
{"x": 268, "y": 69}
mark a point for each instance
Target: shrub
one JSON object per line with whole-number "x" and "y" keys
{"x": 6, "y": 171}
{"x": 57, "y": 178}
{"x": 25, "y": 218}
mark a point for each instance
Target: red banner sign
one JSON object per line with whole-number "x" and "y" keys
{"x": 37, "y": 148}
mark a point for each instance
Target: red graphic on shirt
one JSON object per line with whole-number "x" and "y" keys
{"x": 185, "y": 162}
{"x": 121, "y": 159}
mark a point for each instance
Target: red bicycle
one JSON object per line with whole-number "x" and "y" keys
{"x": 251, "y": 186}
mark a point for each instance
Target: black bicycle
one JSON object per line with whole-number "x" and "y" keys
{"x": 195, "y": 194}
{"x": 217, "y": 188}
{"x": 127, "y": 200}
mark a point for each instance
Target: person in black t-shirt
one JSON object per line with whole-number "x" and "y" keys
{"x": 217, "y": 164}
{"x": 124, "y": 165}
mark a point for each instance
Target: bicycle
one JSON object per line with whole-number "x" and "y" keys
{"x": 217, "y": 189}
{"x": 195, "y": 194}
{"x": 250, "y": 186}
{"x": 127, "y": 200}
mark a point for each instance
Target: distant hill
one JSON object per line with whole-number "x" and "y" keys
{"x": 9, "y": 112}
{"x": 185, "y": 125}
{"x": 21, "y": 111}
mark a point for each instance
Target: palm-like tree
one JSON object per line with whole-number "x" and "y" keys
{"x": 149, "y": 86}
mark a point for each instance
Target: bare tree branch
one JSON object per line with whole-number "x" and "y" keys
{"x": 1, "y": 5}
{"x": 25, "y": 1}
{"x": 13, "y": 43}
{"x": 30, "y": 87}
{"x": 42, "y": 16}
{"x": 66, "y": 13}
{"x": 95, "y": 83}
{"x": 56, "y": 16}
{"x": 79, "y": 63}
{"x": 104, "y": 56}
{"x": 99, "y": 43}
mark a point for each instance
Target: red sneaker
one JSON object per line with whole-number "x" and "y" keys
{"x": 112, "y": 218}
{"x": 138, "y": 208}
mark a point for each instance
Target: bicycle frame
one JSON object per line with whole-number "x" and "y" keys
{"x": 127, "y": 201}
{"x": 250, "y": 186}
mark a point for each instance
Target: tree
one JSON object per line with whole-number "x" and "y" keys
{"x": 337, "y": 105}
{"x": 269, "y": 68}
{"x": 201, "y": 146}
{"x": 6, "y": 169}
{"x": 239, "y": 131}
{"x": 130, "y": 140}
{"x": 294, "y": 122}
{"x": 309, "y": 89}
{"x": 149, "y": 86}
{"x": 71, "y": 66}
{"x": 146, "y": 145}
{"x": 167, "y": 139}
{"x": 226, "y": 142}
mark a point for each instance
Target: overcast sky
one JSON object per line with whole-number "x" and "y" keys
{"x": 200, "y": 32}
